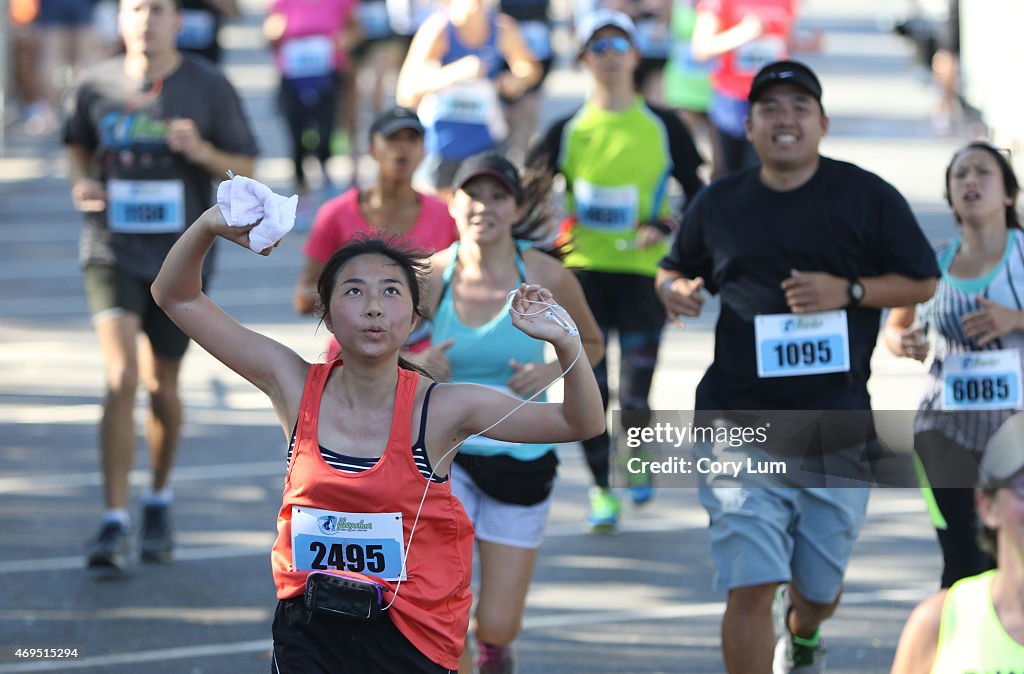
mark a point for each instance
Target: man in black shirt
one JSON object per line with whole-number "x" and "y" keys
{"x": 804, "y": 251}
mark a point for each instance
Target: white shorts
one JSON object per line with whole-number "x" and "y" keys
{"x": 503, "y": 523}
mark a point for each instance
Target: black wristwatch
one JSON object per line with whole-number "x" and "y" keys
{"x": 855, "y": 292}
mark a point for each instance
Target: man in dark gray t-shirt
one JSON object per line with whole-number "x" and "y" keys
{"x": 147, "y": 133}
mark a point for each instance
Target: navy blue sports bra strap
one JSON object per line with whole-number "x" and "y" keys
{"x": 423, "y": 419}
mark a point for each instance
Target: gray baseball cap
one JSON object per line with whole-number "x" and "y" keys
{"x": 1004, "y": 453}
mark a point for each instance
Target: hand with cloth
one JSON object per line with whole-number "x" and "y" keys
{"x": 244, "y": 202}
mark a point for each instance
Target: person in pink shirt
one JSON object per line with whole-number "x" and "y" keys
{"x": 389, "y": 206}
{"x": 311, "y": 41}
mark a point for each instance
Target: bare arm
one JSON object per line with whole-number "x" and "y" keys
{"x": 920, "y": 639}
{"x": 707, "y": 42}
{"x": 273, "y": 27}
{"x": 87, "y": 192}
{"x": 896, "y": 290}
{"x": 305, "y": 287}
{"x": 524, "y": 70}
{"x": 681, "y": 296}
{"x": 902, "y": 339}
{"x": 183, "y": 137}
{"x": 580, "y": 416}
{"x": 217, "y": 163}
{"x": 808, "y": 292}
{"x": 532, "y": 377}
{"x": 270, "y": 366}
{"x": 422, "y": 72}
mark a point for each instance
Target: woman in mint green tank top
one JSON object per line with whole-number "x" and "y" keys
{"x": 504, "y": 487}
{"x": 977, "y": 626}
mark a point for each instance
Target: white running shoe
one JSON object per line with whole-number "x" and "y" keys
{"x": 791, "y": 657}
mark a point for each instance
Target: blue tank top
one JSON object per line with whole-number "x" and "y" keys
{"x": 481, "y": 355}
{"x": 487, "y": 52}
{"x": 467, "y": 118}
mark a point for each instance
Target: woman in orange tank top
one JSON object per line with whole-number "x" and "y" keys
{"x": 388, "y": 522}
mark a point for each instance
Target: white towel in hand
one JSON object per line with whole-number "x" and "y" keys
{"x": 244, "y": 201}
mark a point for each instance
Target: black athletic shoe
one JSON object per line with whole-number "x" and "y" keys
{"x": 110, "y": 549}
{"x": 157, "y": 540}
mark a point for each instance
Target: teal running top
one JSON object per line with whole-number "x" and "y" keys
{"x": 481, "y": 355}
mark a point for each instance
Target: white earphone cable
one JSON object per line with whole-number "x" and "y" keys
{"x": 566, "y": 322}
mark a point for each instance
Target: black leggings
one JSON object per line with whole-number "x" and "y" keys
{"x": 948, "y": 463}
{"x": 309, "y": 110}
{"x": 628, "y": 304}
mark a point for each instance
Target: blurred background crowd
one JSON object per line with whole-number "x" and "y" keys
{"x": 963, "y": 47}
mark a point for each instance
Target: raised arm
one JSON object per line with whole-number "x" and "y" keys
{"x": 531, "y": 377}
{"x": 567, "y": 290}
{"x": 709, "y": 40}
{"x": 270, "y": 366}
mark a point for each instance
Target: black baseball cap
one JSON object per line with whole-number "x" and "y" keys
{"x": 492, "y": 165}
{"x": 396, "y": 119}
{"x": 785, "y": 72}
{"x": 1004, "y": 453}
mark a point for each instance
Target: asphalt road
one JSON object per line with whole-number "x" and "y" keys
{"x": 640, "y": 601}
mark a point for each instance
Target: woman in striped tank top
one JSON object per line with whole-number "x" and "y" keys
{"x": 977, "y": 317}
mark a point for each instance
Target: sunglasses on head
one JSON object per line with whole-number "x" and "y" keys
{"x": 619, "y": 45}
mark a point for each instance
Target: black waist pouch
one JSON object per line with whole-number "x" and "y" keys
{"x": 511, "y": 480}
{"x": 343, "y": 597}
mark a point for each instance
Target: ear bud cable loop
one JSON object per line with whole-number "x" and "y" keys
{"x": 566, "y": 323}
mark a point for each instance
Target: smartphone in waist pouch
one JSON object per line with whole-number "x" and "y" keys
{"x": 344, "y": 597}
